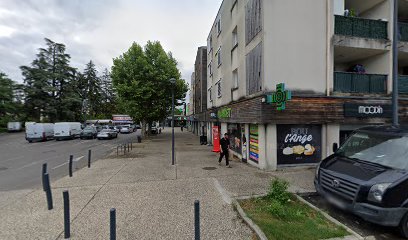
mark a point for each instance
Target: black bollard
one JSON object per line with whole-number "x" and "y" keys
{"x": 197, "y": 220}
{"x": 113, "y": 224}
{"x": 89, "y": 158}
{"x": 44, "y": 171}
{"x": 124, "y": 149}
{"x": 128, "y": 145}
{"x": 71, "y": 161}
{"x": 67, "y": 227}
{"x": 48, "y": 192}
{"x": 139, "y": 139}
{"x": 117, "y": 150}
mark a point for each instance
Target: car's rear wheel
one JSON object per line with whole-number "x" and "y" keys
{"x": 404, "y": 226}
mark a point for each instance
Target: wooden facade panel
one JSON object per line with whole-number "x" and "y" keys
{"x": 253, "y": 19}
{"x": 254, "y": 70}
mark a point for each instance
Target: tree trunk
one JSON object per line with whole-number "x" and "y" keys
{"x": 143, "y": 130}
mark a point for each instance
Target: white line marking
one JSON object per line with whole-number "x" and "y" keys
{"x": 63, "y": 164}
{"x": 11, "y": 159}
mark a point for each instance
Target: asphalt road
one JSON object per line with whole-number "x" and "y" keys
{"x": 21, "y": 162}
{"x": 357, "y": 224}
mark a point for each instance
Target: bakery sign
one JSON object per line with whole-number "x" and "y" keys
{"x": 299, "y": 144}
{"x": 367, "y": 110}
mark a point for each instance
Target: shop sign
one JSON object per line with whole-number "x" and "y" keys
{"x": 280, "y": 97}
{"x": 367, "y": 110}
{"x": 253, "y": 143}
{"x": 213, "y": 115}
{"x": 299, "y": 144}
{"x": 224, "y": 113}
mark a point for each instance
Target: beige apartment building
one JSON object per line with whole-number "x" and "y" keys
{"x": 333, "y": 55}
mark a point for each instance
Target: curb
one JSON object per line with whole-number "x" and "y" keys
{"x": 333, "y": 220}
{"x": 249, "y": 222}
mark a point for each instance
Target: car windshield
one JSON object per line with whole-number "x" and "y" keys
{"x": 387, "y": 150}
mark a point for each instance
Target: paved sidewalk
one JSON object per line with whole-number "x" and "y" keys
{"x": 154, "y": 200}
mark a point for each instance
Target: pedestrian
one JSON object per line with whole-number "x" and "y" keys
{"x": 181, "y": 127}
{"x": 225, "y": 146}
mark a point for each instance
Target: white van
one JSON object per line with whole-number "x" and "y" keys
{"x": 14, "y": 126}
{"x": 67, "y": 130}
{"x": 39, "y": 131}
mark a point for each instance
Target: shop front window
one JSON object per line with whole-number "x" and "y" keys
{"x": 234, "y": 133}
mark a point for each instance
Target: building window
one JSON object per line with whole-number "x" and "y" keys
{"x": 210, "y": 69}
{"x": 219, "y": 90}
{"x": 218, "y": 25}
{"x": 234, "y": 38}
{"x": 210, "y": 94}
{"x": 210, "y": 48}
{"x": 235, "y": 78}
{"x": 218, "y": 54}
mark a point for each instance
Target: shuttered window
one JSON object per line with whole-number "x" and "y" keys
{"x": 254, "y": 70}
{"x": 253, "y": 19}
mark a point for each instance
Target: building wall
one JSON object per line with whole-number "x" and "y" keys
{"x": 200, "y": 101}
{"x": 294, "y": 43}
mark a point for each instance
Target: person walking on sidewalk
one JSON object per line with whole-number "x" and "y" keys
{"x": 225, "y": 145}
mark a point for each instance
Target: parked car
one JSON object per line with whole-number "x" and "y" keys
{"x": 107, "y": 134}
{"x": 39, "y": 131}
{"x": 368, "y": 176}
{"x": 126, "y": 129}
{"x": 14, "y": 126}
{"x": 89, "y": 132}
{"x": 67, "y": 130}
{"x": 114, "y": 128}
{"x": 154, "y": 130}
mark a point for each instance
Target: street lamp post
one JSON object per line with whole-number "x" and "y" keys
{"x": 172, "y": 81}
{"x": 395, "y": 67}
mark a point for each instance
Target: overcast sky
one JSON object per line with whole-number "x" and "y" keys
{"x": 102, "y": 29}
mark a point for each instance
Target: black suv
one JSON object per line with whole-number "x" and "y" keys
{"x": 368, "y": 176}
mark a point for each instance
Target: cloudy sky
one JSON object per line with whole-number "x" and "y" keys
{"x": 102, "y": 29}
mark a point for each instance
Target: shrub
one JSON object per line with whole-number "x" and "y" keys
{"x": 278, "y": 191}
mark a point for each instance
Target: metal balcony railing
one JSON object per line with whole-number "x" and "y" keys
{"x": 359, "y": 83}
{"x": 360, "y": 27}
{"x": 403, "y": 84}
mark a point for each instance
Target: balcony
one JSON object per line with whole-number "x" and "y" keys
{"x": 360, "y": 27}
{"x": 347, "y": 82}
{"x": 403, "y": 84}
{"x": 403, "y": 27}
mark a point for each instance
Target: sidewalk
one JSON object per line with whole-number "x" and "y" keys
{"x": 153, "y": 199}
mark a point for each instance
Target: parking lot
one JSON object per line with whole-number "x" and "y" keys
{"x": 21, "y": 162}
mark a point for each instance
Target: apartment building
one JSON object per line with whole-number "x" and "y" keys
{"x": 198, "y": 119}
{"x": 190, "y": 112}
{"x": 335, "y": 58}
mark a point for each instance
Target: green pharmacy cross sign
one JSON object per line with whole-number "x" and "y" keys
{"x": 280, "y": 97}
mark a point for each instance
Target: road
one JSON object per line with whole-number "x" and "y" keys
{"x": 21, "y": 162}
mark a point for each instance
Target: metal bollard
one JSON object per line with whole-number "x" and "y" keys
{"x": 44, "y": 171}
{"x": 48, "y": 192}
{"x": 124, "y": 149}
{"x": 117, "y": 150}
{"x": 71, "y": 161}
{"x": 89, "y": 158}
{"x": 139, "y": 139}
{"x": 113, "y": 224}
{"x": 128, "y": 146}
{"x": 67, "y": 227}
{"x": 197, "y": 220}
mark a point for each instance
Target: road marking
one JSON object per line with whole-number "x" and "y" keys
{"x": 11, "y": 159}
{"x": 63, "y": 164}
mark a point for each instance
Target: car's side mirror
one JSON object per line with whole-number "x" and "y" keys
{"x": 335, "y": 147}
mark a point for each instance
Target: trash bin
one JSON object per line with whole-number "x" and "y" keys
{"x": 203, "y": 140}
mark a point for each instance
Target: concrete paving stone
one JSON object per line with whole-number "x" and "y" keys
{"x": 8, "y": 197}
{"x": 28, "y": 217}
{"x": 160, "y": 210}
{"x": 301, "y": 180}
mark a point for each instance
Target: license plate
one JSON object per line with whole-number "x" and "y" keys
{"x": 336, "y": 202}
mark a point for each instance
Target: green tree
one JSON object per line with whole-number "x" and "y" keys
{"x": 7, "y": 107}
{"x": 141, "y": 79}
{"x": 93, "y": 89}
{"x": 49, "y": 85}
{"x": 108, "y": 95}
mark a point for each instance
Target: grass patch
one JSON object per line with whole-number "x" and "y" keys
{"x": 281, "y": 216}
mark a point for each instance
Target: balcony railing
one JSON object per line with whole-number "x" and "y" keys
{"x": 359, "y": 83}
{"x": 403, "y": 84}
{"x": 360, "y": 27}
{"x": 403, "y": 27}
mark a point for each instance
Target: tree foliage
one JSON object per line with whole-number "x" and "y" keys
{"x": 10, "y": 102}
{"x": 141, "y": 79}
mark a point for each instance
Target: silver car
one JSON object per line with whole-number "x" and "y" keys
{"x": 107, "y": 134}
